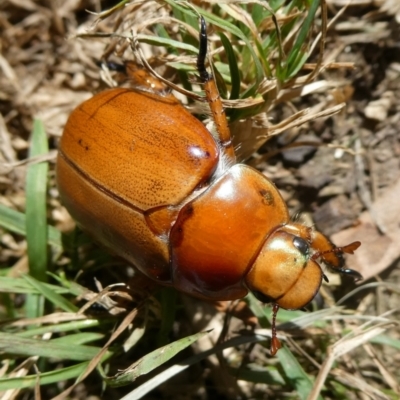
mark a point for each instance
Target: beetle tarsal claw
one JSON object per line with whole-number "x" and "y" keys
{"x": 355, "y": 274}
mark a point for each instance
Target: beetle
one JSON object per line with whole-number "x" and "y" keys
{"x": 146, "y": 179}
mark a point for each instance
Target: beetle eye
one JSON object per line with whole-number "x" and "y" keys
{"x": 301, "y": 245}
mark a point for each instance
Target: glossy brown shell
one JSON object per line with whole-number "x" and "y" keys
{"x": 127, "y": 160}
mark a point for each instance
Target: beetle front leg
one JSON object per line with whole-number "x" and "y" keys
{"x": 275, "y": 342}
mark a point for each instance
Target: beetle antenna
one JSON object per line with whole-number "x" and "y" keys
{"x": 349, "y": 249}
{"x": 275, "y": 342}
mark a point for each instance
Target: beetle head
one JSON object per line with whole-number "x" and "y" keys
{"x": 287, "y": 271}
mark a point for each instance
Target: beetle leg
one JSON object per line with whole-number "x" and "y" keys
{"x": 275, "y": 342}
{"x": 139, "y": 78}
{"x": 213, "y": 98}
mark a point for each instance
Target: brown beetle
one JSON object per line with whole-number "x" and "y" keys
{"x": 145, "y": 178}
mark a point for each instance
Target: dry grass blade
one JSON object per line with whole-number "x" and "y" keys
{"x": 302, "y": 117}
{"x": 387, "y": 376}
{"x": 50, "y": 156}
{"x": 357, "y": 338}
{"x": 264, "y": 131}
{"x": 96, "y": 360}
{"x": 19, "y": 371}
{"x": 359, "y": 384}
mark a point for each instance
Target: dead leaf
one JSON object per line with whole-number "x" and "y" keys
{"x": 379, "y": 249}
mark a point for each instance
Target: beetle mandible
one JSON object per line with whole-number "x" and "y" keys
{"x": 146, "y": 179}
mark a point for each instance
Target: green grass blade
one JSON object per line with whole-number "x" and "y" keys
{"x": 300, "y": 61}
{"x": 225, "y": 26}
{"x": 56, "y": 376}
{"x": 168, "y": 311}
{"x": 259, "y": 311}
{"x": 153, "y": 360}
{"x": 62, "y": 327}
{"x": 233, "y": 66}
{"x": 296, "y": 55}
{"x": 259, "y": 374}
{"x": 167, "y": 42}
{"x": 36, "y": 225}
{"x": 386, "y": 340}
{"x": 293, "y": 370}
{"x": 55, "y": 298}
{"x": 15, "y": 345}
{"x": 163, "y": 376}
{"x": 36, "y": 185}
{"x": 78, "y": 338}
{"x": 22, "y": 286}
{"x": 15, "y": 221}
{"x": 295, "y": 373}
